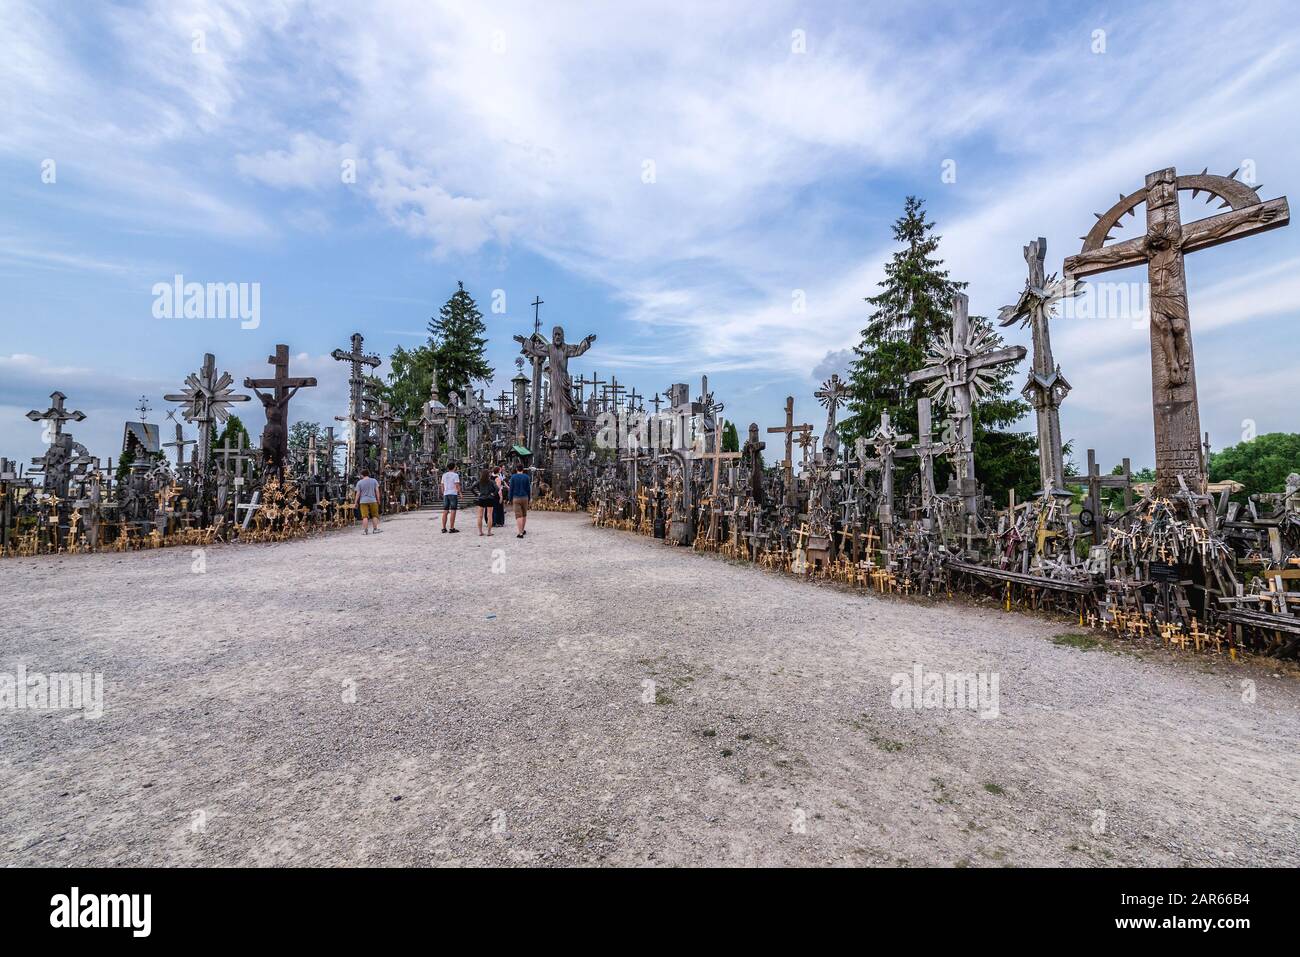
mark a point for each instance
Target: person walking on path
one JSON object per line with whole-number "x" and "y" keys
{"x": 367, "y": 500}
{"x": 450, "y": 497}
{"x": 521, "y": 488}
{"x": 488, "y": 501}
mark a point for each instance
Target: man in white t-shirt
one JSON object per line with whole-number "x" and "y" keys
{"x": 450, "y": 496}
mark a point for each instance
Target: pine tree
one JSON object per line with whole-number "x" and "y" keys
{"x": 458, "y": 343}
{"x": 913, "y": 307}
{"x": 911, "y": 312}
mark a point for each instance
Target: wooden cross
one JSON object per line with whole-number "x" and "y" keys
{"x": 1046, "y": 388}
{"x": 358, "y": 360}
{"x": 789, "y": 429}
{"x": 275, "y": 438}
{"x": 537, "y": 304}
{"x": 56, "y": 414}
{"x": 1096, "y": 482}
{"x": 236, "y": 454}
{"x": 656, "y": 402}
{"x": 179, "y": 445}
{"x": 206, "y": 402}
{"x": 830, "y": 395}
{"x": 886, "y": 440}
{"x": 961, "y": 368}
{"x": 1162, "y": 248}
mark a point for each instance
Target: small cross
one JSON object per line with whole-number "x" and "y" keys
{"x": 537, "y": 303}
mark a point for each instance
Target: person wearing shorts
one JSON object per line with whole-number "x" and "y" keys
{"x": 520, "y": 490}
{"x": 450, "y": 497}
{"x": 488, "y": 500}
{"x": 367, "y": 500}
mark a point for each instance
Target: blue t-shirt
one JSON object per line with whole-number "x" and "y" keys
{"x": 520, "y": 485}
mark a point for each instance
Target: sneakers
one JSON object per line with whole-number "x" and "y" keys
{"x": 453, "y": 530}
{"x": 444, "y": 531}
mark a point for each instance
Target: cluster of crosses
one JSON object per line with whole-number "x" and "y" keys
{"x": 822, "y": 505}
{"x": 827, "y": 507}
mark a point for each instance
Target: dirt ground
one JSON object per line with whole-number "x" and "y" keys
{"x": 586, "y": 696}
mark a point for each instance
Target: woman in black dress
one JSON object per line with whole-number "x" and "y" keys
{"x": 499, "y": 512}
{"x": 488, "y": 499}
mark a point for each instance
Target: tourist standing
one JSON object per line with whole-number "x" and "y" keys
{"x": 499, "y": 511}
{"x": 450, "y": 497}
{"x": 488, "y": 500}
{"x": 367, "y": 500}
{"x": 521, "y": 488}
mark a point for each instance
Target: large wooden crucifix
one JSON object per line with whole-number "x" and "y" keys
{"x": 275, "y": 437}
{"x": 1046, "y": 387}
{"x": 961, "y": 368}
{"x": 1162, "y": 247}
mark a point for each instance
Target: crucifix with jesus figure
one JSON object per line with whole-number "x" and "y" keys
{"x": 1162, "y": 247}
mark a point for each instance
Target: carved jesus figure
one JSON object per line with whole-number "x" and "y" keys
{"x": 557, "y": 354}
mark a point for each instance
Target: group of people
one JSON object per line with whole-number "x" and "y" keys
{"x": 496, "y": 489}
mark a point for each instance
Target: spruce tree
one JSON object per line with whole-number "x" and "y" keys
{"x": 458, "y": 343}
{"x": 910, "y": 313}
{"x": 913, "y": 307}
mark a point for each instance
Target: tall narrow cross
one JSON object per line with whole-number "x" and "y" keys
{"x": 886, "y": 440}
{"x": 358, "y": 360}
{"x": 55, "y": 416}
{"x": 143, "y": 408}
{"x": 206, "y": 402}
{"x": 658, "y": 401}
{"x": 924, "y": 449}
{"x": 633, "y": 397}
{"x": 1046, "y": 387}
{"x": 961, "y": 368}
{"x": 275, "y": 437}
{"x": 537, "y": 304}
{"x": 1095, "y": 482}
{"x": 1162, "y": 248}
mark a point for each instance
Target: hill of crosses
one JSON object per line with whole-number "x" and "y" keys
{"x": 1179, "y": 560}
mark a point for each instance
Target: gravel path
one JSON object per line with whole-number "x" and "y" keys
{"x": 392, "y": 700}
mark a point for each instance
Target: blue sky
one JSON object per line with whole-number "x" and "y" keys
{"x": 506, "y": 144}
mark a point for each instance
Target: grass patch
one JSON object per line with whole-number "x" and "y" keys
{"x": 994, "y": 788}
{"x": 662, "y": 697}
{"x": 1076, "y": 640}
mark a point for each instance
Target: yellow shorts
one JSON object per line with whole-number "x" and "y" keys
{"x": 369, "y": 510}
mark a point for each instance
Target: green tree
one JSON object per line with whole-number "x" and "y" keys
{"x": 301, "y": 433}
{"x": 910, "y": 313}
{"x": 234, "y": 426}
{"x": 458, "y": 343}
{"x": 730, "y": 437}
{"x": 409, "y": 380}
{"x": 913, "y": 307}
{"x": 1261, "y": 464}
